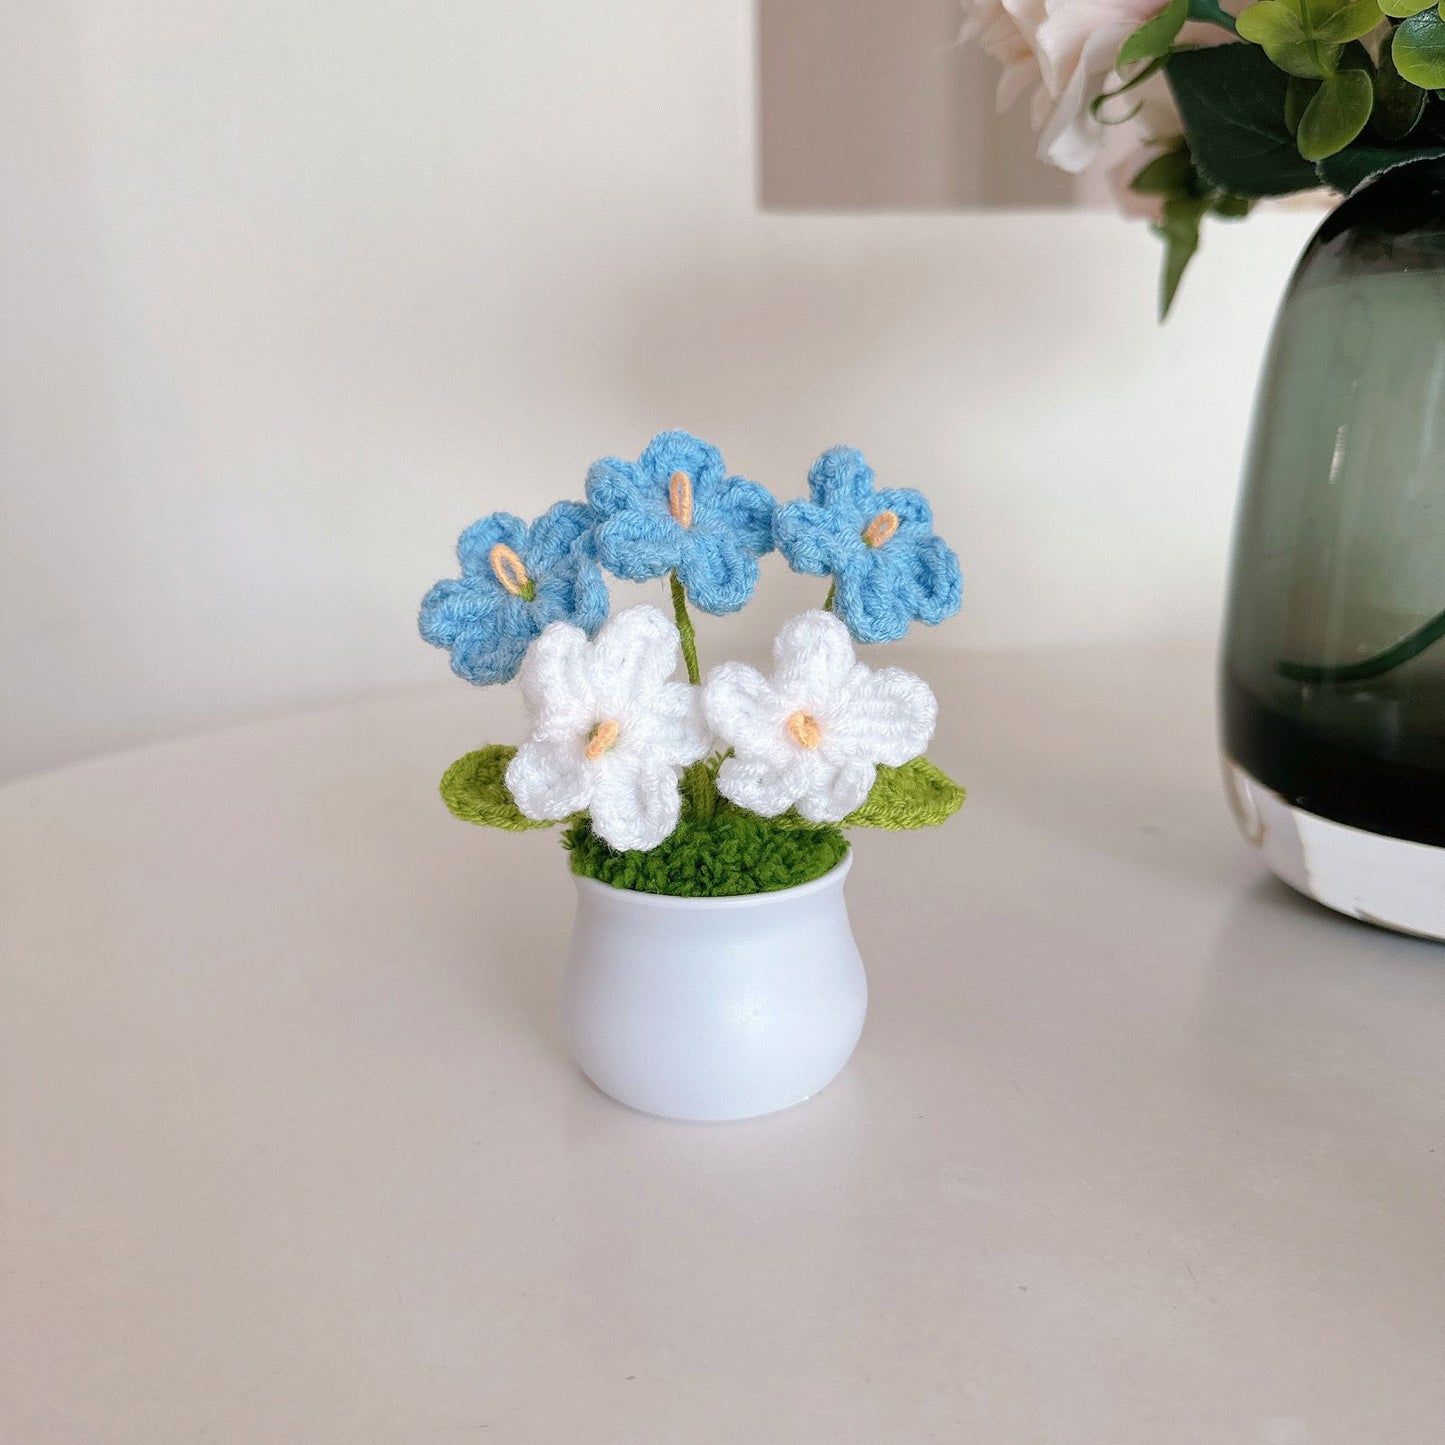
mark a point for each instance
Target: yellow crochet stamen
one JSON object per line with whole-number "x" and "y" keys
{"x": 600, "y": 739}
{"x": 508, "y": 570}
{"x": 679, "y": 498}
{"x": 880, "y": 529}
{"x": 804, "y": 730}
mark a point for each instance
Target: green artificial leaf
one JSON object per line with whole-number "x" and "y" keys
{"x": 1166, "y": 175}
{"x": 1278, "y": 29}
{"x": 917, "y": 795}
{"x": 1310, "y": 60}
{"x": 1356, "y": 164}
{"x": 1419, "y": 50}
{"x": 1398, "y": 104}
{"x": 1232, "y": 100}
{"x": 1338, "y": 112}
{"x": 475, "y": 789}
{"x": 1179, "y": 230}
{"x": 1348, "y": 21}
{"x": 1297, "y": 97}
{"x": 1403, "y": 9}
{"x": 1185, "y": 199}
{"x": 1154, "y": 37}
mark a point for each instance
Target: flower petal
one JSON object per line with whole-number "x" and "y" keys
{"x": 553, "y": 536}
{"x": 550, "y": 779}
{"x": 633, "y": 656}
{"x": 474, "y": 546}
{"x": 680, "y": 451}
{"x": 889, "y": 717}
{"x": 936, "y": 581}
{"x": 634, "y": 804}
{"x": 557, "y": 683}
{"x": 806, "y": 535}
{"x": 907, "y": 504}
{"x": 680, "y": 734}
{"x": 869, "y": 600}
{"x": 837, "y": 792}
{"x": 718, "y": 573}
{"x": 574, "y": 591}
{"x": 614, "y": 486}
{"x": 490, "y": 656}
{"x": 590, "y": 598}
{"x": 746, "y": 510}
{"x": 812, "y": 659}
{"x": 745, "y": 712}
{"x": 486, "y": 631}
{"x": 842, "y": 481}
{"x": 761, "y": 785}
{"x": 454, "y": 608}
{"x": 640, "y": 545}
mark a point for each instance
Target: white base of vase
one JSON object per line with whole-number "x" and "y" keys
{"x": 1390, "y": 882}
{"x": 713, "y": 1008}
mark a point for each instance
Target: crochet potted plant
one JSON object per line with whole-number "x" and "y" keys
{"x": 712, "y": 972}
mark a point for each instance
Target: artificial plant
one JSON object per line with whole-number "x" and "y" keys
{"x": 733, "y": 783}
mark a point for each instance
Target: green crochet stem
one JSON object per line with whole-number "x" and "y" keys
{"x": 685, "y": 631}
{"x": 828, "y": 600}
{"x": 699, "y": 790}
{"x": 1382, "y": 662}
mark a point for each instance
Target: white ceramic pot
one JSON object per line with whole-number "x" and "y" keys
{"x": 713, "y": 1008}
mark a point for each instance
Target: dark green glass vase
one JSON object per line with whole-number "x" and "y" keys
{"x": 1333, "y": 689}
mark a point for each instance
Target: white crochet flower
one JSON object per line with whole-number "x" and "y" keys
{"x": 610, "y": 732}
{"x": 813, "y": 734}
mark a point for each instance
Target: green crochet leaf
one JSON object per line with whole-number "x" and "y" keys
{"x": 475, "y": 789}
{"x": 917, "y": 795}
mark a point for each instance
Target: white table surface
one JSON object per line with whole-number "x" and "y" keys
{"x": 1137, "y": 1146}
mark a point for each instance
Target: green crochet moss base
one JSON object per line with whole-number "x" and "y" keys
{"x": 729, "y": 854}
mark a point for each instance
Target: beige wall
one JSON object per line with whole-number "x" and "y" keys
{"x": 289, "y": 294}
{"x": 874, "y": 105}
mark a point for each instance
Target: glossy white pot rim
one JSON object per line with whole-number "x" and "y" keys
{"x": 831, "y": 878}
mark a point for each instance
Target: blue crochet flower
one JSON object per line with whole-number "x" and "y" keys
{"x": 878, "y": 546}
{"x": 515, "y": 580}
{"x": 675, "y": 509}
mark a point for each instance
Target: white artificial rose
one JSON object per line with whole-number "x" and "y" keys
{"x": 1005, "y": 29}
{"x": 1078, "y": 43}
{"x": 1066, "y": 50}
